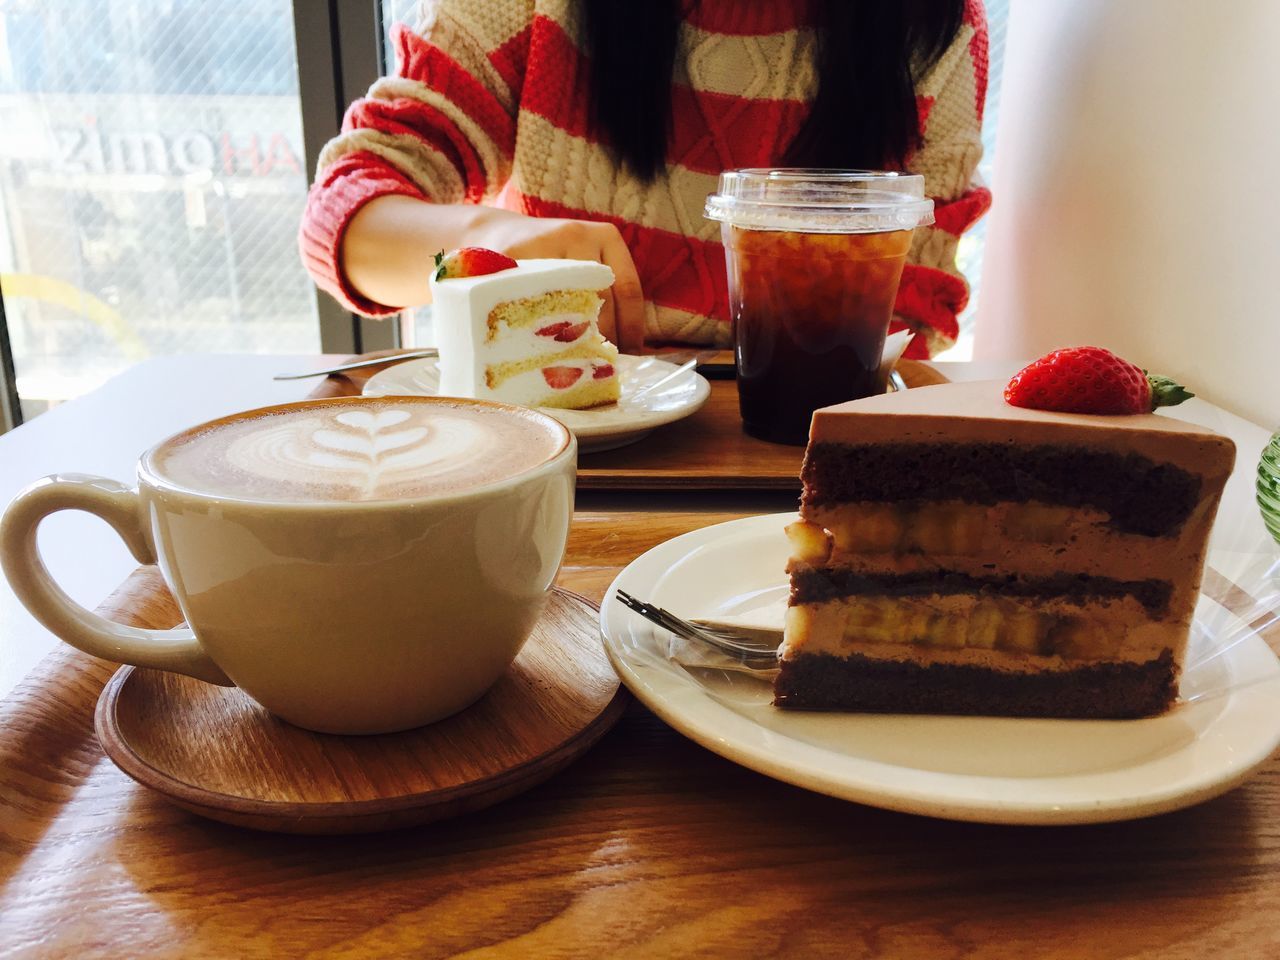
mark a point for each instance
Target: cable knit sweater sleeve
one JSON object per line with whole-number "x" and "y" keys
{"x": 950, "y": 97}
{"x": 442, "y": 128}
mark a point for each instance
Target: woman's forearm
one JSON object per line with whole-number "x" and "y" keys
{"x": 388, "y": 248}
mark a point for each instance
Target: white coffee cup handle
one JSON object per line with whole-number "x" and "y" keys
{"x": 175, "y": 650}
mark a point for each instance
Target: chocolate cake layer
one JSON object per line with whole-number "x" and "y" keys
{"x": 1114, "y": 691}
{"x": 816, "y": 584}
{"x": 1140, "y": 495}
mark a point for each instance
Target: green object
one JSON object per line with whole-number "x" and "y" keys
{"x": 1166, "y": 392}
{"x": 1269, "y": 486}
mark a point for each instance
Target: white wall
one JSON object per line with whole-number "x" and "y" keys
{"x": 1137, "y": 186}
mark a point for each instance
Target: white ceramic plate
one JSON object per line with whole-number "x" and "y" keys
{"x": 647, "y": 400}
{"x": 986, "y": 769}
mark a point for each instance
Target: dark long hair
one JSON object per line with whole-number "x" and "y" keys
{"x": 869, "y": 55}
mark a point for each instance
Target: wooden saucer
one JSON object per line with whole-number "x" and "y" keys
{"x": 215, "y": 752}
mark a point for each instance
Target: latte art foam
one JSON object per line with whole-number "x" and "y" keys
{"x": 372, "y": 450}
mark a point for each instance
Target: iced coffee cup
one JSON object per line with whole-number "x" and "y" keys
{"x": 814, "y": 259}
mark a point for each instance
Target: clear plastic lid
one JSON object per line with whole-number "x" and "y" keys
{"x": 810, "y": 200}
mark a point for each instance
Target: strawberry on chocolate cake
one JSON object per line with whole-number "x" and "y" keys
{"x": 963, "y": 550}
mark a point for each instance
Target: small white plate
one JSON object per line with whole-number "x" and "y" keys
{"x": 985, "y": 769}
{"x": 643, "y": 406}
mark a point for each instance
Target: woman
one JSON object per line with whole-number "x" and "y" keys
{"x": 595, "y": 129}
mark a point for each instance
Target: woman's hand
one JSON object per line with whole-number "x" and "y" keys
{"x": 387, "y": 250}
{"x": 519, "y": 236}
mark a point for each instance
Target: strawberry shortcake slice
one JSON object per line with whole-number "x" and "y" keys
{"x": 523, "y": 331}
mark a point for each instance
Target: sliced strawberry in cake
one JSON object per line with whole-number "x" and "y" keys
{"x": 562, "y": 378}
{"x": 564, "y": 331}
{"x": 580, "y": 384}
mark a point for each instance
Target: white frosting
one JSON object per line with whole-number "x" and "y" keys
{"x": 460, "y": 311}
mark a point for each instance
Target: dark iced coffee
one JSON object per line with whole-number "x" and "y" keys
{"x": 814, "y": 259}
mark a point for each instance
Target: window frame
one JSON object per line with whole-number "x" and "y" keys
{"x": 339, "y": 51}
{"x": 10, "y": 408}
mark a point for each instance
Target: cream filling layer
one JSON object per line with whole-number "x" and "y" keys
{"x": 516, "y": 343}
{"x": 1029, "y": 539}
{"x": 984, "y": 630}
{"x": 530, "y": 388}
{"x": 950, "y": 527}
{"x": 596, "y": 349}
{"x": 586, "y": 394}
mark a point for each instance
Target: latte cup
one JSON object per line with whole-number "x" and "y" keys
{"x": 356, "y": 566}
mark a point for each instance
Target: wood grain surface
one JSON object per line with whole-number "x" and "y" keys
{"x": 213, "y": 751}
{"x": 648, "y": 846}
{"x": 706, "y": 451}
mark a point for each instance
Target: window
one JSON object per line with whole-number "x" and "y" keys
{"x": 151, "y": 177}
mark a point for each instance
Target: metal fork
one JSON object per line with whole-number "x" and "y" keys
{"x": 752, "y": 652}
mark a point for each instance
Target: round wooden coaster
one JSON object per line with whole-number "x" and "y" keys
{"x": 215, "y": 752}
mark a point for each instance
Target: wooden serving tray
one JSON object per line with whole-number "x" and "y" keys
{"x": 215, "y": 752}
{"x": 706, "y": 451}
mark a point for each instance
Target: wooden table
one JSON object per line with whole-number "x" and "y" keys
{"x": 647, "y": 847}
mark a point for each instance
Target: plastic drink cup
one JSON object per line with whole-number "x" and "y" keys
{"x": 814, "y": 258}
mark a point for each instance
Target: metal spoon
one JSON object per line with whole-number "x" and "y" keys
{"x": 357, "y": 364}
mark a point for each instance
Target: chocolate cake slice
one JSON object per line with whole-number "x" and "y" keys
{"x": 956, "y": 554}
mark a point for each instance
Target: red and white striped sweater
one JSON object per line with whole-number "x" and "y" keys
{"x": 489, "y": 104}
